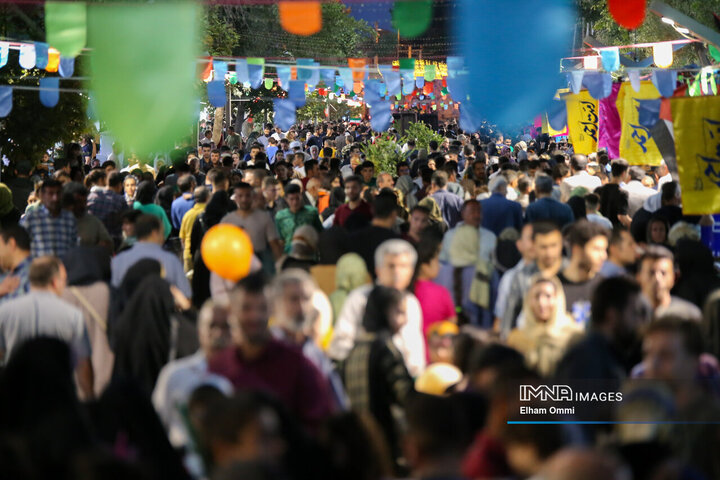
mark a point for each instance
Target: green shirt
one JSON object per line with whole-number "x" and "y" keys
{"x": 287, "y": 222}
{"x": 157, "y": 210}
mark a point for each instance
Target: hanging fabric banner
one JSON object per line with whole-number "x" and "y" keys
{"x": 5, "y": 100}
{"x": 220, "y": 68}
{"x": 610, "y": 125}
{"x": 66, "y": 26}
{"x": 4, "y": 51}
{"x": 696, "y": 126}
{"x": 283, "y": 74}
{"x": 347, "y": 78}
{"x": 296, "y": 92}
{"x": 358, "y": 68}
{"x": 49, "y": 94}
{"x": 256, "y": 71}
{"x": 392, "y": 79}
{"x": 41, "y": 54}
{"x": 380, "y": 116}
{"x": 300, "y": 17}
{"x": 649, "y": 113}
{"x": 328, "y": 76}
{"x": 582, "y": 119}
{"x": 598, "y": 84}
{"x": 66, "y": 67}
{"x": 314, "y": 76}
{"x": 420, "y": 82}
{"x": 27, "y": 56}
{"x": 665, "y": 81}
{"x": 216, "y": 93}
{"x": 53, "y": 63}
{"x": 407, "y": 72}
{"x": 636, "y": 143}
{"x": 284, "y": 113}
{"x": 242, "y": 71}
{"x": 304, "y": 73}
{"x": 610, "y": 59}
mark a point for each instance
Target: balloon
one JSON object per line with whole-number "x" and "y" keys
{"x": 412, "y": 18}
{"x": 437, "y": 378}
{"x": 301, "y": 17}
{"x": 628, "y": 13}
{"x": 227, "y": 251}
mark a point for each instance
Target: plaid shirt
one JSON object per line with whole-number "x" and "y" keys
{"x": 50, "y": 235}
{"x": 22, "y": 272}
{"x": 287, "y": 222}
{"x": 107, "y": 206}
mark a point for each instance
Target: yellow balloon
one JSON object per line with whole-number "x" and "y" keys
{"x": 227, "y": 251}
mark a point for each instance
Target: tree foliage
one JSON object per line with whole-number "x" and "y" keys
{"x": 384, "y": 154}
{"x": 422, "y": 134}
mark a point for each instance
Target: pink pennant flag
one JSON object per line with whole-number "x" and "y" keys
{"x": 610, "y": 125}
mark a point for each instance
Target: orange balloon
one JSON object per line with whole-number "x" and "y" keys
{"x": 227, "y": 251}
{"x": 301, "y": 18}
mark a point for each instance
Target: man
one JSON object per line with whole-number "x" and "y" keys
{"x": 394, "y": 267}
{"x": 297, "y": 214}
{"x": 419, "y": 220}
{"x": 182, "y": 204}
{"x": 90, "y": 230}
{"x": 656, "y": 275}
{"x": 637, "y": 192}
{"x": 547, "y": 246}
{"x": 202, "y": 195}
{"x": 499, "y": 212}
{"x": 592, "y": 206}
{"x": 15, "y": 262}
{"x": 233, "y": 140}
{"x": 217, "y": 180}
{"x": 205, "y": 159}
{"x": 354, "y": 162}
{"x": 385, "y": 180}
{"x": 312, "y": 170}
{"x": 271, "y": 150}
{"x": 355, "y": 204}
{"x": 53, "y": 230}
{"x": 613, "y": 199}
{"x": 179, "y": 378}
{"x": 579, "y": 178}
{"x": 606, "y": 353}
{"x": 451, "y": 168}
{"x": 214, "y": 160}
{"x": 106, "y": 202}
{"x": 524, "y": 245}
{"x": 365, "y": 241}
{"x": 272, "y": 191}
{"x": 622, "y": 253}
{"x": 546, "y": 208}
{"x": 312, "y": 192}
{"x": 258, "y": 224}
{"x": 367, "y": 172}
{"x": 256, "y": 361}
{"x": 150, "y": 238}
{"x": 41, "y": 313}
{"x": 449, "y": 203}
{"x": 588, "y": 244}
{"x": 21, "y": 185}
{"x": 295, "y": 320}
{"x": 263, "y": 139}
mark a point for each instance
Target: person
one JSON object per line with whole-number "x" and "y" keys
{"x": 129, "y": 188}
{"x": 104, "y": 202}
{"x": 546, "y": 208}
{"x": 53, "y": 231}
{"x": 272, "y": 191}
{"x": 257, "y": 223}
{"x": 524, "y": 247}
{"x": 500, "y": 213}
{"x": 579, "y": 178}
{"x": 419, "y": 220}
{"x": 295, "y": 322}
{"x": 374, "y": 372}
{"x": 144, "y": 198}
{"x": 449, "y": 203}
{"x": 21, "y": 185}
{"x": 546, "y": 329}
{"x": 613, "y": 199}
{"x": 297, "y": 214}
{"x": 658, "y": 229}
{"x": 697, "y": 278}
{"x": 592, "y": 205}
{"x": 364, "y": 242}
{"x": 232, "y": 139}
{"x": 149, "y": 232}
{"x": 656, "y": 276}
{"x": 256, "y": 361}
{"x": 182, "y": 204}
{"x": 350, "y": 273}
{"x": 618, "y": 311}
{"x": 547, "y": 246}
{"x": 179, "y": 378}
{"x": 201, "y": 195}
{"x": 394, "y": 265}
{"x": 622, "y": 253}
{"x": 355, "y": 204}
{"x": 9, "y": 214}
{"x": 42, "y": 313}
{"x": 91, "y": 231}
{"x": 15, "y": 262}
{"x": 588, "y": 244}
{"x": 637, "y": 192}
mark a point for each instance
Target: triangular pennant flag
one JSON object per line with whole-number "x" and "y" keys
{"x": 557, "y": 115}
{"x": 27, "y": 56}
{"x": 41, "y": 54}
{"x": 430, "y": 73}
{"x": 53, "y": 63}
{"x": 241, "y": 69}
{"x": 328, "y": 76}
{"x": 216, "y": 93}
{"x": 598, "y": 84}
{"x": 255, "y": 74}
{"x": 420, "y": 82}
{"x": 49, "y": 94}
{"x": 268, "y": 83}
{"x": 304, "y": 73}
{"x": 4, "y": 51}
{"x": 220, "y": 68}
{"x": 300, "y": 17}
{"x": 66, "y": 26}
{"x": 380, "y": 116}
{"x": 296, "y": 92}
{"x": 314, "y": 75}
{"x": 576, "y": 78}
{"x": 284, "y": 113}
{"x": 665, "y": 81}
{"x": 358, "y": 68}
{"x": 634, "y": 76}
{"x": 648, "y": 111}
{"x": 283, "y": 74}
{"x": 66, "y": 67}
{"x": 392, "y": 79}
{"x": 347, "y": 78}
{"x": 5, "y": 100}
{"x": 204, "y": 69}
{"x": 412, "y": 17}
{"x": 610, "y": 59}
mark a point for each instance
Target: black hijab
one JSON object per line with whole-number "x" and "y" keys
{"x": 130, "y": 282}
{"x": 376, "y": 318}
{"x": 86, "y": 265}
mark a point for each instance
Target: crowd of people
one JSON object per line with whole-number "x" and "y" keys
{"x": 385, "y": 324}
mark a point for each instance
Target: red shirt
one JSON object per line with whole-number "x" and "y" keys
{"x": 344, "y": 211}
{"x": 283, "y": 371}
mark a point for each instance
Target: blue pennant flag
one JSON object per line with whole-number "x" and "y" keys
{"x": 216, "y": 93}
{"x": 284, "y": 113}
{"x": 380, "y": 116}
{"x": 41, "y": 54}
{"x": 296, "y": 92}
{"x": 66, "y": 67}
{"x": 49, "y": 94}
{"x": 5, "y": 100}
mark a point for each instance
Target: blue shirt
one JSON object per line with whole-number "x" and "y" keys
{"x": 179, "y": 208}
{"x": 22, "y": 272}
{"x": 270, "y": 152}
{"x": 450, "y": 206}
{"x": 50, "y": 235}
{"x": 499, "y": 213}
{"x": 548, "y": 209}
{"x": 174, "y": 272}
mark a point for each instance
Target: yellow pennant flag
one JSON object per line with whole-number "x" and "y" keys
{"x": 696, "y": 126}
{"x": 582, "y": 119}
{"x": 636, "y": 144}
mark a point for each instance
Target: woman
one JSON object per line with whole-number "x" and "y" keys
{"x": 336, "y": 198}
{"x": 351, "y": 273}
{"x": 129, "y": 187}
{"x": 144, "y": 197}
{"x": 547, "y": 330}
{"x": 657, "y": 231}
{"x": 88, "y": 272}
{"x": 374, "y": 373}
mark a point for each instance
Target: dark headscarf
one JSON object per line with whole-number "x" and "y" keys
{"x": 145, "y": 192}
{"x": 141, "y": 337}
{"x": 164, "y": 198}
{"x": 130, "y": 282}
{"x": 376, "y": 318}
{"x": 697, "y": 272}
{"x": 216, "y": 209}
{"x": 87, "y": 265}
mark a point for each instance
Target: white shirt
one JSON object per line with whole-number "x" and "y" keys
{"x": 663, "y": 180}
{"x": 581, "y": 179}
{"x": 409, "y": 340}
{"x": 637, "y": 194}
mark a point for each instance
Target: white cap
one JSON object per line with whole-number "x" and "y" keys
{"x": 295, "y": 144}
